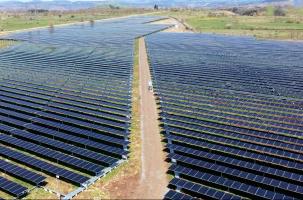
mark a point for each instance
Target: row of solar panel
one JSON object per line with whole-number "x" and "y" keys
{"x": 203, "y": 94}
{"x": 245, "y": 101}
{"x": 125, "y": 31}
{"x": 78, "y": 116}
{"x": 234, "y": 113}
{"x": 200, "y": 170}
{"x": 236, "y": 162}
{"x": 51, "y": 92}
{"x": 105, "y": 144}
{"x": 221, "y": 100}
{"x": 241, "y": 152}
{"x": 83, "y": 127}
{"x": 68, "y": 101}
{"x": 216, "y": 61}
{"x": 249, "y": 83}
{"x": 43, "y": 166}
{"x": 21, "y": 173}
{"x": 212, "y": 69}
{"x": 200, "y": 132}
{"x": 67, "y": 85}
{"x": 230, "y": 141}
{"x": 58, "y": 145}
{"x": 245, "y": 137}
{"x": 234, "y": 84}
{"x": 52, "y": 155}
{"x": 12, "y": 188}
{"x": 226, "y": 128}
{"x": 242, "y": 123}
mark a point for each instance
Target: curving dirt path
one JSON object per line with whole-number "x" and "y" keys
{"x": 177, "y": 28}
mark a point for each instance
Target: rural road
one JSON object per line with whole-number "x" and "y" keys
{"x": 153, "y": 179}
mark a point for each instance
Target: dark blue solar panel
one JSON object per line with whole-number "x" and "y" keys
{"x": 12, "y": 188}
{"x": 51, "y": 154}
{"x": 21, "y": 173}
{"x": 176, "y": 195}
{"x": 43, "y": 166}
{"x": 67, "y": 98}
{"x": 231, "y": 113}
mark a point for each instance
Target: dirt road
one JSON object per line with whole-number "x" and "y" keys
{"x": 177, "y": 28}
{"x": 153, "y": 179}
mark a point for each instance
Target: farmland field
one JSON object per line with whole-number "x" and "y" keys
{"x": 264, "y": 25}
{"x": 232, "y": 115}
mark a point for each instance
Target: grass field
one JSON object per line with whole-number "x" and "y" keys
{"x": 264, "y": 25}
{"x": 24, "y": 20}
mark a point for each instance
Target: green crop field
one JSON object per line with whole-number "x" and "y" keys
{"x": 262, "y": 25}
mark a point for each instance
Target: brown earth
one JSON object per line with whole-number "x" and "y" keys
{"x": 153, "y": 179}
{"x": 177, "y": 28}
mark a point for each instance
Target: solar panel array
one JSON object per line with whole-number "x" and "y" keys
{"x": 65, "y": 101}
{"x": 232, "y": 113}
{"x": 107, "y": 33}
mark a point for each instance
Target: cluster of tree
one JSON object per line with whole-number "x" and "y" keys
{"x": 253, "y": 11}
{"x": 279, "y": 11}
{"x": 114, "y": 7}
{"x": 38, "y": 11}
{"x": 247, "y": 11}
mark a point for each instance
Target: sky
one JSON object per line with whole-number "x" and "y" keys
{"x": 48, "y": 0}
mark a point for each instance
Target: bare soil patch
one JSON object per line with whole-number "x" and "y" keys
{"x": 177, "y": 28}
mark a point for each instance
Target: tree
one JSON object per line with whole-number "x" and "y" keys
{"x": 279, "y": 11}
{"x": 114, "y": 7}
{"x": 156, "y": 7}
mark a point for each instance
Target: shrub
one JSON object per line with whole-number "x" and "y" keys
{"x": 289, "y": 21}
{"x": 279, "y": 11}
{"x": 228, "y": 26}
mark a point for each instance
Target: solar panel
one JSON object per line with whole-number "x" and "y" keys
{"x": 21, "y": 173}
{"x": 59, "y": 157}
{"x": 171, "y": 194}
{"x": 230, "y": 114}
{"x": 67, "y": 98}
{"x": 43, "y": 166}
{"x": 12, "y": 188}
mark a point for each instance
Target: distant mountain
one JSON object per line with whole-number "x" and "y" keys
{"x": 75, "y": 5}
{"x": 51, "y": 5}
{"x": 202, "y": 3}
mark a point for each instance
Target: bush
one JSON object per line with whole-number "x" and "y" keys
{"x": 228, "y": 26}
{"x": 278, "y": 11}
